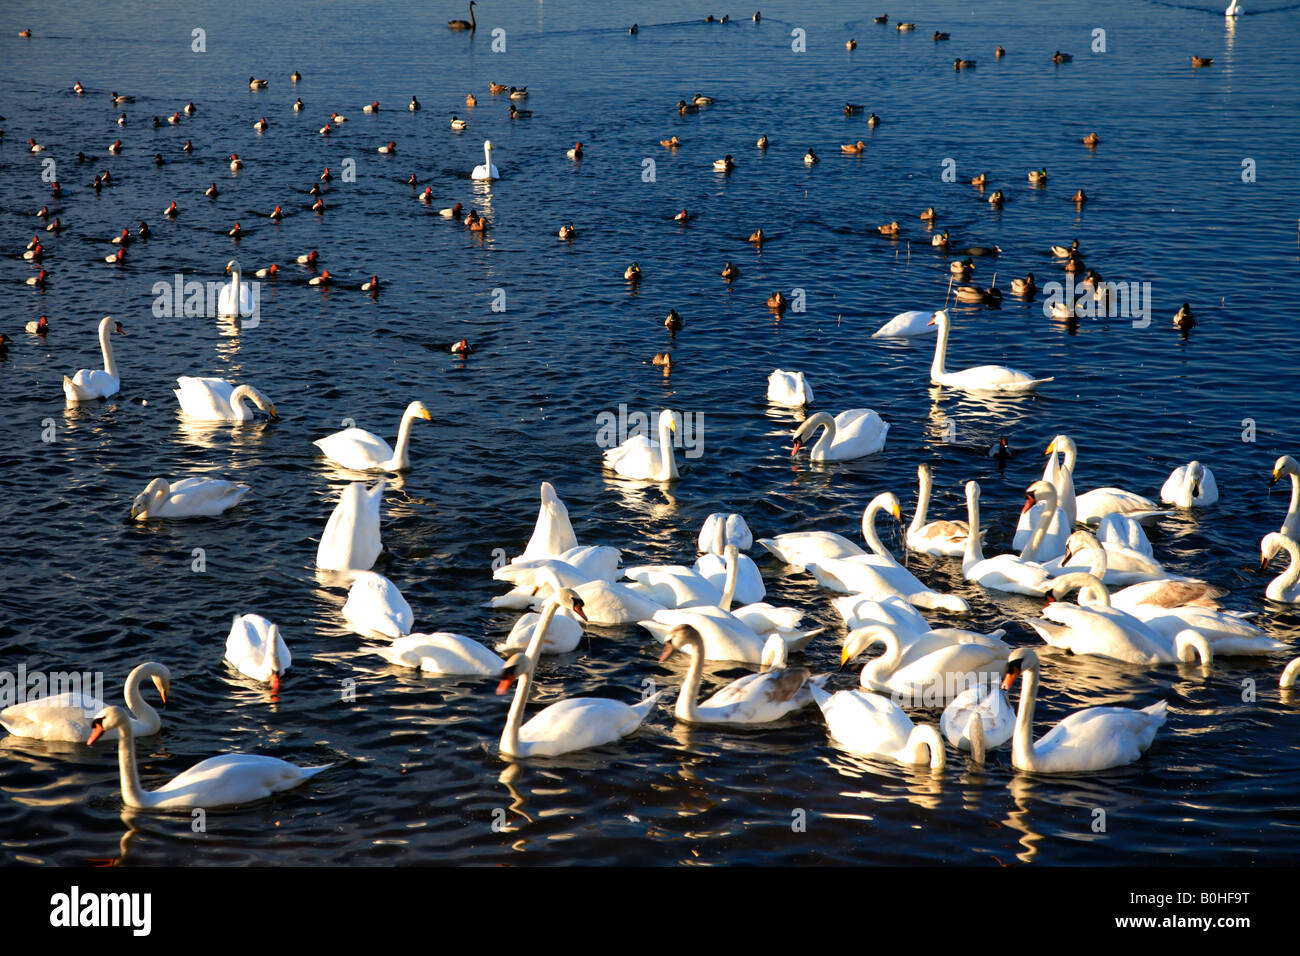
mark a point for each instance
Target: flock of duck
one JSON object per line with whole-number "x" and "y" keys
{"x": 1129, "y": 608}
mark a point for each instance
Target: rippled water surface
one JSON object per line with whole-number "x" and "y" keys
{"x": 419, "y": 777}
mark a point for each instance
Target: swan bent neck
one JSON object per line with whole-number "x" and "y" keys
{"x": 106, "y": 346}
{"x": 510, "y": 735}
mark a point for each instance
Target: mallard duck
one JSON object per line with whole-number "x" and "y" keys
{"x": 777, "y": 302}
{"x": 962, "y": 268}
{"x": 873, "y": 120}
{"x": 939, "y": 36}
{"x": 683, "y": 108}
{"x": 1202, "y": 60}
{"x": 852, "y": 45}
{"x": 458, "y": 123}
{"x": 883, "y": 18}
{"x": 1063, "y": 310}
{"x": 567, "y": 231}
{"x": 996, "y": 198}
{"x": 854, "y": 148}
{"x": 724, "y": 165}
{"x": 969, "y": 293}
{"x": 673, "y": 323}
{"x": 757, "y": 236}
{"x": 1025, "y": 286}
{"x": 1059, "y": 57}
{"x": 1074, "y": 263}
{"x": 471, "y": 100}
{"x": 663, "y": 358}
{"x": 670, "y": 143}
{"x": 254, "y": 84}
{"x": 1092, "y": 139}
{"x": 518, "y": 93}
{"x": 928, "y": 215}
{"x": 999, "y": 52}
{"x": 1183, "y": 319}
{"x": 1079, "y": 198}
{"x": 762, "y": 142}
{"x": 852, "y": 108}
{"x": 699, "y": 99}
{"x": 1064, "y": 252}
{"x": 888, "y": 229}
{"x": 1038, "y": 175}
{"x": 729, "y": 271}
{"x": 295, "y": 76}
{"x": 632, "y": 273}
{"x": 413, "y": 105}
{"x": 810, "y": 158}
{"x": 516, "y": 113}
{"x": 940, "y": 242}
{"x": 960, "y": 64}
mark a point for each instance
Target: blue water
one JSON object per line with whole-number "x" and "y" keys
{"x": 420, "y": 778}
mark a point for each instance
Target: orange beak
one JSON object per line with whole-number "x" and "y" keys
{"x": 795, "y": 450}
{"x": 1008, "y": 680}
{"x": 1029, "y": 503}
{"x": 275, "y": 683}
{"x": 96, "y": 733}
{"x": 504, "y": 685}
{"x": 668, "y": 652}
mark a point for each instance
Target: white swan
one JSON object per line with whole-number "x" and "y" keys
{"x": 906, "y": 325}
{"x": 1228, "y": 634}
{"x": 980, "y": 378}
{"x": 1290, "y": 674}
{"x": 222, "y": 781}
{"x": 865, "y": 723}
{"x": 878, "y": 574}
{"x": 187, "y": 498}
{"x": 604, "y": 602}
{"x": 937, "y": 538}
{"x": 854, "y": 433}
{"x": 674, "y": 586}
{"x": 69, "y": 716}
{"x": 255, "y": 648}
{"x": 562, "y": 636}
{"x": 1119, "y": 530}
{"x": 573, "y": 724}
{"x": 487, "y": 170}
{"x": 236, "y": 292}
{"x": 1002, "y": 572}
{"x": 1097, "y": 628}
{"x": 376, "y": 608}
{"x": 754, "y": 699}
{"x": 553, "y": 533}
{"x": 351, "y": 539}
{"x": 978, "y": 719}
{"x": 88, "y": 383}
{"x": 1060, "y": 476}
{"x": 789, "y": 388}
{"x": 216, "y": 400}
{"x": 1234, "y": 9}
{"x": 647, "y": 460}
{"x": 1190, "y": 485}
{"x": 361, "y": 450}
{"x": 1096, "y": 738}
{"x": 576, "y": 566}
{"x": 731, "y": 572}
{"x": 1286, "y": 586}
{"x": 925, "y": 670}
{"x": 1286, "y": 465}
{"x": 860, "y": 610}
{"x": 734, "y": 530}
{"x": 1116, "y": 564}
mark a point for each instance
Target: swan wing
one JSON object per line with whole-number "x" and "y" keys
{"x": 578, "y": 723}
{"x": 562, "y": 635}
{"x": 230, "y": 779}
{"x": 988, "y": 704}
{"x": 376, "y": 608}
{"x": 205, "y": 399}
{"x": 443, "y": 653}
{"x": 201, "y": 497}
{"x": 757, "y": 698}
{"x": 907, "y": 324}
{"x": 800, "y": 548}
{"x": 864, "y": 723}
{"x": 355, "y": 448}
{"x": 1098, "y": 738}
{"x": 351, "y": 538}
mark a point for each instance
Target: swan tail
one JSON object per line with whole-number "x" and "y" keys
{"x": 934, "y": 601}
{"x": 1158, "y": 711}
{"x": 312, "y": 771}
{"x": 657, "y": 630}
{"x": 644, "y": 708}
{"x": 1057, "y": 635}
{"x": 819, "y": 680}
{"x": 797, "y": 642}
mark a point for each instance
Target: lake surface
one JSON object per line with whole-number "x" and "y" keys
{"x": 420, "y": 779}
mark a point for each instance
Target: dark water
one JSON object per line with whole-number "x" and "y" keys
{"x": 420, "y": 779}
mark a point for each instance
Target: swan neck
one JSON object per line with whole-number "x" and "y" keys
{"x": 667, "y": 459}
{"x": 974, "y": 548}
{"x": 729, "y": 586}
{"x": 940, "y": 351}
{"x": 401, "y": 451}
{"x": 133, "y": 793}
{"x": 510, "y": 735}
{"x": 922, "y": 500}
{"x": 142, "y": 712}
{"x": 1030, "y": 553}
{"x": 106, "y": 346}
{"x": 869, "y": 530}
{"x": 1022, "y": 739}
{"x": 1293, "y": 509}
{"x": 690, "y": 692}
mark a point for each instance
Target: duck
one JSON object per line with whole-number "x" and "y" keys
{"x": 190, "y": 109}
{"x": 851, "y": 45}
{"x": 856, "y": 149}
{"x": 519, "y": 94}
{"x": 211, "y": 192}
{"x": 663, "y": 358}
{"x": 270, "y": 272}
{"x": 761, "y": 143}
{"x": 575, "y": 153}
{"x": 1038, "y": 175}
{"x": 471, "y": 100}
{"x": 116, "y": 147}
{"x": 996, "y": 199}
{"x": 962, "y": 268}
{"x": 461, "y": 348}
{"x": 121, "y": 98}
{"x": 1064, "y": 252}
{"x": 78, "y": 88}
{"x": 567, "y": 231}
{"x": 117, "y": 258}
{"x": 673, "y": 323}
{"x": 905, "y": 27}
{"x": 458, "y": 123}
{"x": 337, "y": 119}
{"x": 724, "y": 165}
{"x": 939, "y": 36}
{"x": 883, "y": 18}
{"x": 295, "y": 77}
{"x": 1079, "y": 198}
{"x": 873, "y": 120}
{"x": 1059, "y": 57}
{"x": 757, "y": 236}
{"x": 685, "y": 109}
{"x": 1184, "y": 321}
{"x": 777, "y": 302}
{"x": 236, "y": 162}
{"x": 188, "y": 147}
{"x": 426, "y": 197}
{"x": 175, "y": 118}
{"x": 370, "y": 285}
{"x": 255, "y": 84}
{"x": 413, "y": 105}
{"x": 851, "y": 109}
{"x": 1089, "y": 740}
{"x": 960, "y": 64}
{"x": 39, "y": 327}
{"x": 495, "y": 88}
{"x": 729, "y": 271}
{"x": 57, "y": 226}
{"x": 476, "y": 223}
{"x": 38, "y": 279}
{"x": 225, "y": 780}
{"x": 632, "y": 273}
{"x": 889, "y": 228}
{"x": 452, "y": 212}
{"x": 322, "y": 280}
{"x": 516, "y": 113}
{"x": 1202, "y": 60}
{"x": 261, "y": 125}
{"x": 810, "y": 157}
{"x": 388, "y": 148}
{"x": 1092, "y": 139}
{"x": 307, "y": 259}
{"x": 236, "y": 231}
{"x": 940, "y": 241}
{"x": 671, "y": 143}
{"x": 927, "y": 215}
{"x": 318, "y": 206}
{"x": 999, "y": 52}
{"x": 371, "y": 107}
{"x": 36, "y": 147}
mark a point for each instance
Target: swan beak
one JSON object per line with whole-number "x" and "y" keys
{"x": 1263, "y": 564}
{"x": 795, "y": 450}
{"x": 580, "y": 612}
{"x": 1009, "y": 680}
{"x": 275, "y": 683}
{"x": 1029, "y": 503}
{"x": 1068, "y": 555}
{"x": 272, "y": 412}
{"x": 844, "y": 656}
{"x": 932, "y": 321}
{"x": 897, "y": 512}
{"x": 668, "y": 652}
{"x": 96, "y": 733}
{"x": 504, "y": 685}
{"x": 1273, "y": 481}
{"x": 1050, "y": 448}
{"x": 425, "y": 414}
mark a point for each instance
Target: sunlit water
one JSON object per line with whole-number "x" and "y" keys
{"x": 419, "y": 778}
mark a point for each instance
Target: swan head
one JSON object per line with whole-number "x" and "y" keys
{"x": 487, "y": 146}
{"x": 417, "y": 409}
{"x": 887, "y": 501}
{"x": 154, "y": 492}
{"x": 1195, "y": 473}
{"x": 1269, "y": 546}
{"x": 1022, "y": 659}
{"x": 940, "y": 318}
{"x": 1080, "y": 580}
{"x": 1286, "y": 465}
{"x": 232, "y": 267}
{"x": 159, "y": 674}
{"x": 1042, "y": 491}
{"x": 1080, "y": 541}
{"x": 258, "y": 399}
{"x": 110, "y": 718}
{"x": 861, "y": 639}
{"x": 683, "y": 637}
{"x": 568, "y": 598}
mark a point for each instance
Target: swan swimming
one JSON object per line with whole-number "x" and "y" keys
{"x": 216, "y": 400}
{"x": 237, "y": 291}
{"x": 853, "y": 433}
{"x": 351, "y": 539}
{"x": 187, "y": 498}
{"x": 487, "y": 170}
{"x": 89, "y": 384}
{"x": 360, "y": 450}
{"x": 979, "y": 378}
{"x": 790, "y": 389}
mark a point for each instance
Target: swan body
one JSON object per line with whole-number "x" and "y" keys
{"x": 70, "y": 716}
{"x": 578, "y": 565}
{"x": 236, "y": 292}
{"x": 603, "y": 602}
{"x": 790, "y": 389}
{"x": 754, "y": 699}
{"x": 1122, "y": 531}
{"x": 255, "y": 648}
{"x": 734, "y": 531}
{"x": 1166, "y": 593}
{"x": 376, "y": 608}
{"x": 351, "y": 539}
{"x": 978, "y": 719}
{"x": 573, "y": 724}
{"x": 725, "y": 637}
{"x": 1060, "y": 475}
{"x": 1190, "y": 485}
{"x": 1002, "y": 572}
{"x": 1227, "y": 634}
{"x": 90, "y": 384}
{"x": 360, "y": 450}
{"x": 801, "y": 548}
{"x": 937, "y": 538}
{"x": 981, "y": 378}
{"x": 925, "y": 670}
{"x": 892, "y": 612}
{"x": 443, "y": 653}
{"x": 487, "y": 170}
{"x": 674, "y": 586}
{"x": 562, "y": 636}
{"x": 1286, "y": 465}
{"x": 187, "y": 498}
{"x": 869, "y": 724}
{"x": 216, "y": 400}
{"x": 1115, "y": 564}
{"x": 226, "y": 780}
{"x": 553, "y": 533}
{"x": 1286, "y": 586}
{"x": 1097, "y": 738}
{"x": 643, "y": 459}
{"x": 1096, "y": 504}
{"x": 879, "y": 579}
{"x": 906, "y": 325}
{"x": 715, "y": 568}
{"x": 854, "y": 433}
